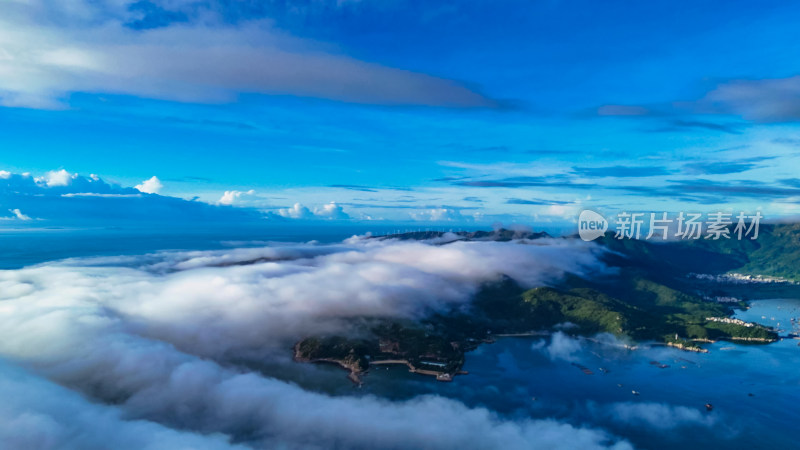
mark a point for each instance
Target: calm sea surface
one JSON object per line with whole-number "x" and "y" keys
{"x": 754, "y": 389}
{"x": 23, "y": 247}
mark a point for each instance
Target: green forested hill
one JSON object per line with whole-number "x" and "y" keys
{"x": 777, "y": 254}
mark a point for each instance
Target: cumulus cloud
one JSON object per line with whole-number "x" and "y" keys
{"x": 331, "y": 211}
{"x": 150, "y": 186}
{"x": 56, "y": 178}
{"x": 152, "y": 341}
{"x": 438, "y": 215}
{"x": 200, "y": 59}
{"x": 230, "y": 197}
{"x": 297, "y": 211}
{"x": 71, "y": 199}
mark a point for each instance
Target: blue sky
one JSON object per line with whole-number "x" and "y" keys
{"x": 456, "y": 112}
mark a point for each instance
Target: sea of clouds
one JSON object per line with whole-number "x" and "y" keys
{"x": 155, "y": 351}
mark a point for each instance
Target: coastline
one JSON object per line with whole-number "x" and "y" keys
{"x": 356, "y": 371}
{"x": 354, "y": 374}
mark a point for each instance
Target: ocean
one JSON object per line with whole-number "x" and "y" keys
{"x": 754, "y": 389}
{"x": 27, "y": 246}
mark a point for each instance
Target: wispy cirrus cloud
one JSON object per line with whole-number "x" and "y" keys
{"x": 666, "y": 118}
{"x": 537, "y": 201}
{"x": 533, "y": 181}
{"x": 743, "y": 188}
{"x": 621, "y": 171}
{"x": 358, "y": 187}
{"x": 678, "y": 125}
{"x": 725, "y": 167}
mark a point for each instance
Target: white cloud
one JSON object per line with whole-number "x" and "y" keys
{"x": 230, "y": 197}
{"x": 57, "y": 178}
{"x": 90, "y": 50}
{"x": 63, "y": 198}
{"x": 570, "y": 211}
{"x": 560, "y": 347}
{"x": 659, "y": 416}
{"x": 150, "y": 186}
{"x": 331, "y": 211}
{"x": 38, "y": 414}
{"x": 299, "y": 290}
{"x": 438, "y": 215}
{"x": 155, "y": 335}
{"x": 18, "y": 214}
{"x": 297, "y": 211}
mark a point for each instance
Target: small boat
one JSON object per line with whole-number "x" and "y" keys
{"x": 709, "y": 407}
{"x": 635, "y": 392}
{"x": 583, "y": 369}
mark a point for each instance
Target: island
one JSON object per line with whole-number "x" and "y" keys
{"x": 655, "y": 295}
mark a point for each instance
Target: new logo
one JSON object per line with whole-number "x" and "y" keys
{"x": 591, "y": 225}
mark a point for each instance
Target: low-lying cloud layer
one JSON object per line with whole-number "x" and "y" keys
{"x": 140, "y": 351}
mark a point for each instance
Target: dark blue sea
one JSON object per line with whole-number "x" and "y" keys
{"x": 26, "y": 246}
{"x": 754, "y": 390}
